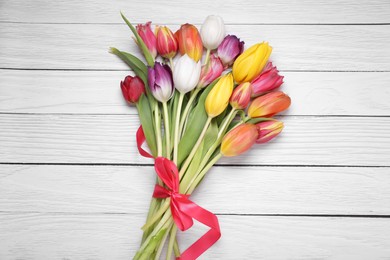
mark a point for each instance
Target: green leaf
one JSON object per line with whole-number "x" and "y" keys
{"x": 134, "y": 63}
{"x": 210, "y": 137}
{"x": 146, "y": 118}
{"x": 195, "y": 124}
{"x": 149, "y": 58}
{"x": 259, "y": 119}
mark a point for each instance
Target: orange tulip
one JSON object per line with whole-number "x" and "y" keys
{"x": 269, "y": 104}
{"x": 189, "y": 41}
{"x": 239, "y": 140}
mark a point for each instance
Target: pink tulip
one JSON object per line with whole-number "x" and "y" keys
{"x": 147, "y": 35}
{"x": 268, "y": 130}
{"x": 210, "y": 71}
{"x": 268, "y": 80}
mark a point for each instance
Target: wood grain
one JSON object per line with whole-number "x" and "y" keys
{"x": 234, "y": 190}
{"x": 301, "y": 48}
{"x": 106, "y": 236}
{"x": 97, "y": 92}
{"x": 277, "y": 11}
{"x": 111, "y": 139}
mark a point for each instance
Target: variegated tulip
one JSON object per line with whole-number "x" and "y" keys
{"x": 241, "y": 96}
{"x": 147, "y": 35}
{"x": 218, "y": 98}
{"x": 212, "y": 31}
{"x": 210, "y": 71}
{"x": 189, "y": 41}
{"x": 166, "y": 42}
{"x": 186, "y": 73}
{"x": 269, "y": 104}
{"x": 251, "y": 62}
{"x": 132, "y": 88}
{"x": 229, "y": 49}
{"x": 268, "y": 80}
{"x": 160, "y": 82}
{"x": 268, "y": 130}
{"x": 239, "y": 140}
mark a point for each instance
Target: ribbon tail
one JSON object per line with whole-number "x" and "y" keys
{"x": 209, "y": 238}
{"x": 140, "y": 136}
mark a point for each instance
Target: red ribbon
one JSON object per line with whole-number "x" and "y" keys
{"x": 140, "y": 136}
{"x": 184, "y": 210}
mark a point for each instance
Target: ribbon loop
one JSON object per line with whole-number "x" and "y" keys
{"x": 184, "y": 210}
{"x": 140, "y": 137}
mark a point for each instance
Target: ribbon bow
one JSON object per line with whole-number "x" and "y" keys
{"x": 184, "y": 210}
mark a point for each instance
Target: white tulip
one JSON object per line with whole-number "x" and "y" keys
{"x": 212, "y": 32}
{"x": 186, "y": 74}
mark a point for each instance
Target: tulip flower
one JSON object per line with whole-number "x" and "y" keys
{"x": 218, "y": 98}
{"x": 160, "y": 82}
{"x": 210, "y": 71}
{"x": 269, "y": 104}
{"x": 212, "y": 32}
{"x": 147, "y": 35}
{"x": 268, "y": 130}
{"x": 239, "y": 140}
{"x": 229, "y": 49}
{"x": 132, "y": 88}
{"x": 186, "y": 73}
{"x": 268, "y": 80}
{"x": 241, "y": 96}
{"x": 251, "y": 62}
{"x": 189, "y": 41}
{"x": 166, "y": 42}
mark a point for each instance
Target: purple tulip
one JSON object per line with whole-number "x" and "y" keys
{"x": 160, "y": 82}
{"x": 229, "y": 49}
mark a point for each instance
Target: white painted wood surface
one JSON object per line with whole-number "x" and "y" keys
{"x": 73, "y": 187}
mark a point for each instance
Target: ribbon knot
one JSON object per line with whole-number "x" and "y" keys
{"x": 184, "y": 210}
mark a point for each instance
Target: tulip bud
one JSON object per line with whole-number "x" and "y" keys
{"x": 218, "y": 98}
{"x": 147, "y": 35}
{"x": 268, "y": 130}
{"x": 241, "y": 96}
{"x": 210, "y": 71}
{"x": 189, "y": 41}
{"x": 229, "y": 49}
{"x": 160, "y": 82}
{"x": 212, "y": 32}
{"x": 268, "y": 80}
{"x": 186, "y": 73}
{"x": 269, "y": 104}
{"x": 132, "y": 88}
{"x": 166, "y": 42}
{"x": 239, "y": 140}
{"x": 251, "y": 62}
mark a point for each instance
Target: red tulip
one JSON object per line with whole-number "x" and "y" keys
{"x": 132, "y": 88}
{"x": 268, "y": 80}
{"x": 268, "y": 130}
{"x": 166, "y": 42}
{"x": 269, "y": 104}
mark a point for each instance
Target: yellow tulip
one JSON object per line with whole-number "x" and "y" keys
{"x": 218, "y": 98}
{"x": 251, "y": 62}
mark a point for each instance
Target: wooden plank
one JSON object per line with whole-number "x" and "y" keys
{"x": 85, "y": 46}
{"x": 97, "y": 92}
{"x": 111, "y": 139}
{"x": 277, "y": 11}
{"x": 237, "y": 190}
{"x": 45, "y": 236}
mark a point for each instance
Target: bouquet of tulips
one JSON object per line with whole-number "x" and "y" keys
{"x": 195, "y": 109}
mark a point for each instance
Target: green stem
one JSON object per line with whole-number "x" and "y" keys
{"x": 161, "y": 246}
{"x": 157, "y": 121}
{"x": 177, "y": 130}
{"x": 195, "y": 181}
{"x": 176, "y": 249}
{"x": 195, "y": 148}
{"x": 171, "y": 242}
{"x": 188, "y": 106}
{"x": 207, "y": 56}
{"x": 167, "y": 131}
{"x": 157, "y": 215}
{"x": 171, "y": 63}
{"x": 152, "y": 209}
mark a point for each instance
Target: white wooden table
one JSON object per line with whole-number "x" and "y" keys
{"x": 72, "y": 185}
